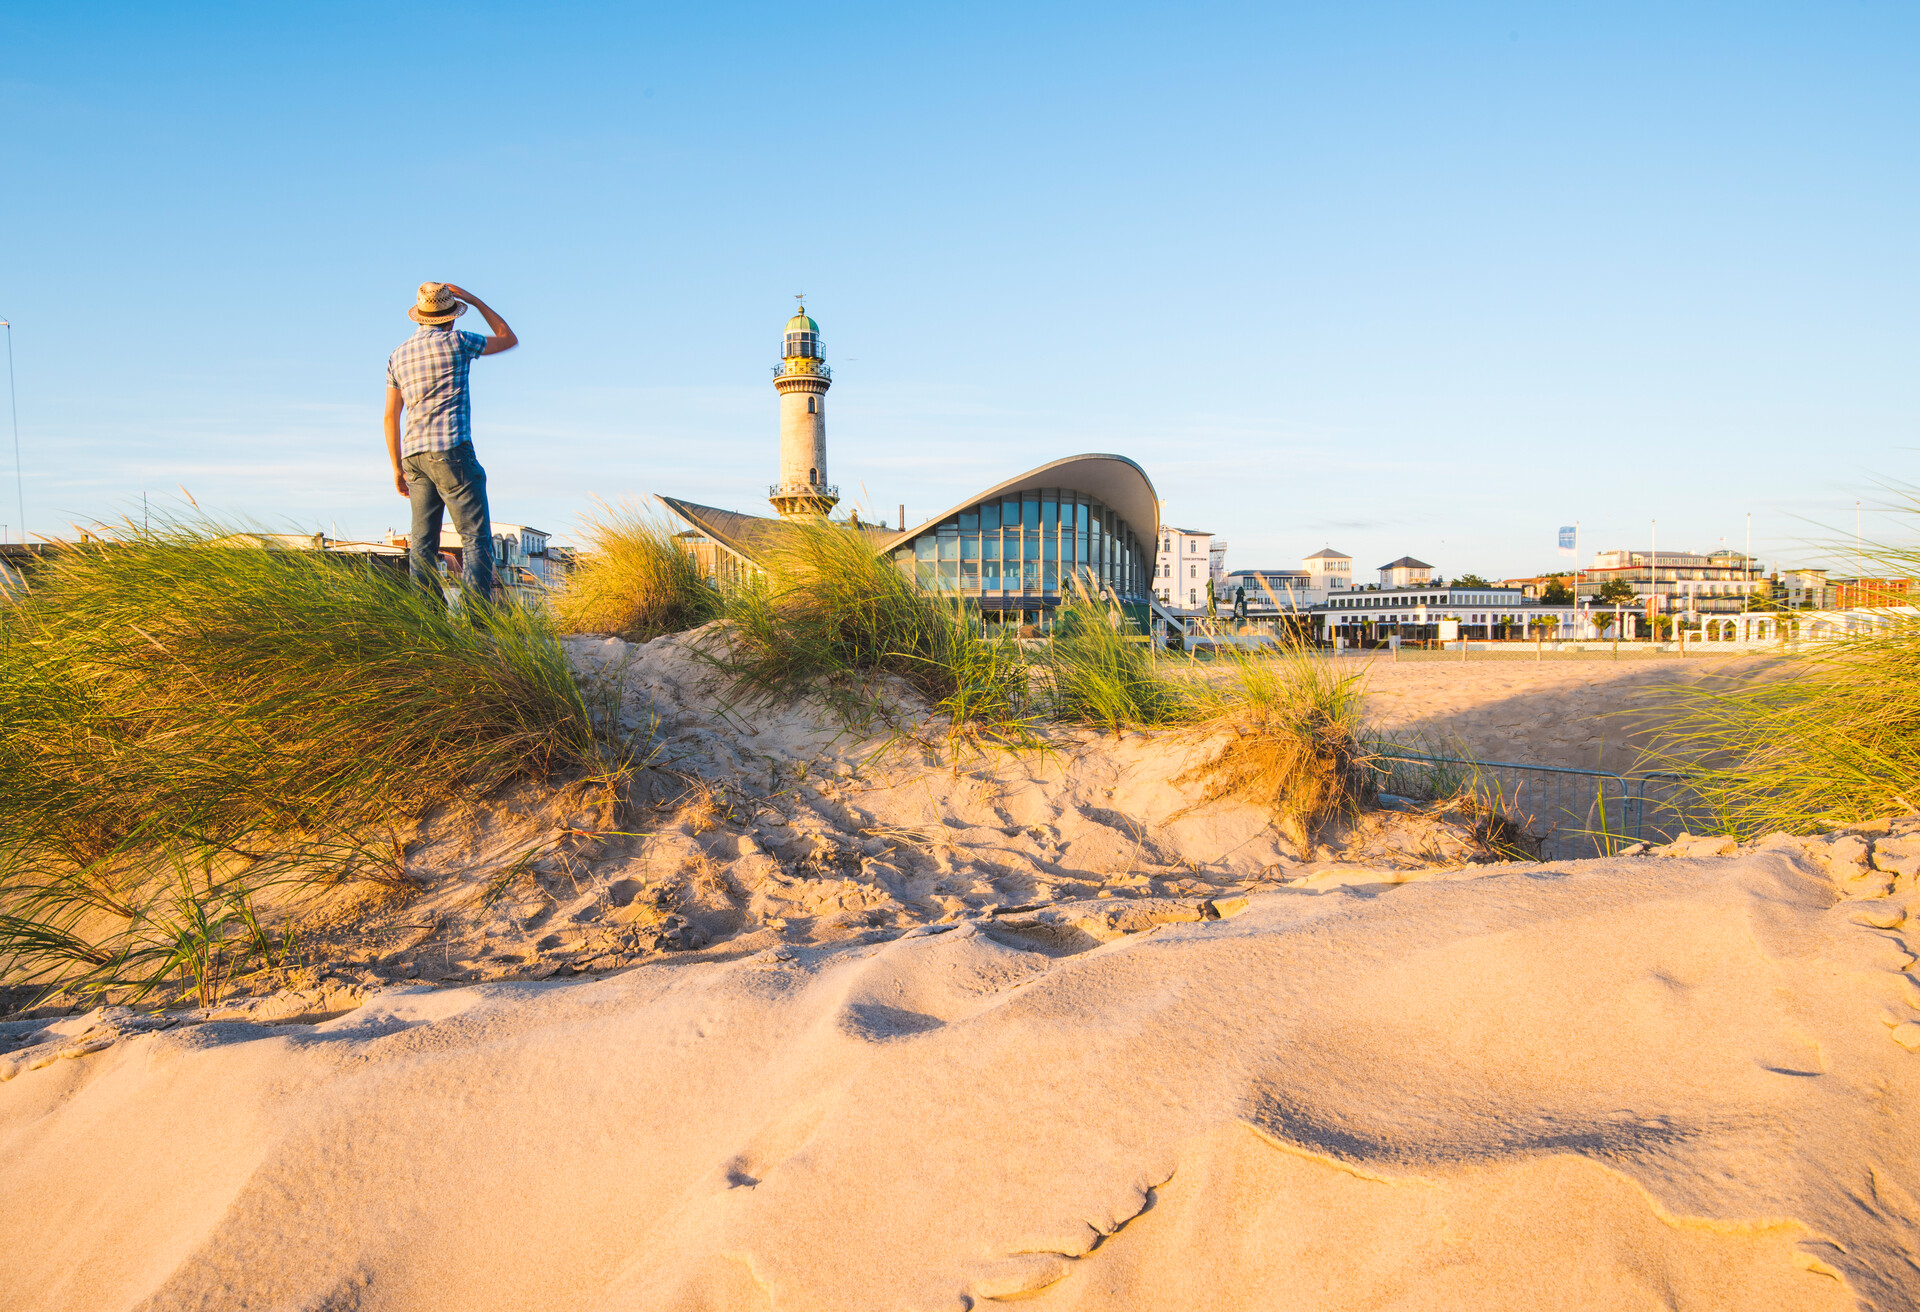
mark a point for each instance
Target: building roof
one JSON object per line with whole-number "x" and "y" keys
{"x": 1406, "y": 562}
{"x": 748, "y": 536}
{"x": 751, "y": 537}
{"x": 1328, "y": 553}
{"x": 800, "y": 323}
{"x": 1291, "y": 573}
{"x": 1115, "y": 480}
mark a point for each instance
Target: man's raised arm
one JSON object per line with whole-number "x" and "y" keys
{"x": 503, "y": 338}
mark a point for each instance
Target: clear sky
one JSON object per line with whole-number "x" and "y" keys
{"x": 1423, "y": 278}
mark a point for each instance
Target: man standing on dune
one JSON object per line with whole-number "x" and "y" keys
{"x": 433, "y": 465}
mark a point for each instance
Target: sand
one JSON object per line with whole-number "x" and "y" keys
{"x": 1625, "y": 1083}
{"x": 833, "y": 1019}
{"x": 1594, "y": 713}
{"x": 757, "y": 825}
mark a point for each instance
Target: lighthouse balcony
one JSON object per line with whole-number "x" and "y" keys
{"x": 821, "y": 490}
{"x": 802, "y": 369}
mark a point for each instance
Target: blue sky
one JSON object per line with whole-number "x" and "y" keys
{"x": 1427, "y": 279}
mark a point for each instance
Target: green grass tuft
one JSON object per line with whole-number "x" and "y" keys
{"x": 1101, "y": 671}
{"x": 1296, "y": 741}
{"x": 634, "y": 581}
{"x": 1828, "y": 735}
{"x": 828, "y": 608}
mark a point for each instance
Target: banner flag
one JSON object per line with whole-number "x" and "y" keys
{"x": 1567, "y": 537}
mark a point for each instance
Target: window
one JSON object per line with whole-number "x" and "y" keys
{"x": 1193, "y": 571}
{"x": 1193, "y": 597}
{"x": 813, "y": 476}
{"x": 813, "y": 405}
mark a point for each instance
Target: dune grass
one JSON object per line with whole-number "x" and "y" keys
{"x": 1294, "y": 738}
{"x": 1100, "y": 670}
{"x": 827, "y": 610}
{"x": 633, "y": 581}
{"x": 166, "y": 698}
{"x": 1828, "y": 737}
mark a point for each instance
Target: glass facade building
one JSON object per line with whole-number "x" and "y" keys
{"x": 1020, "y": 551}
{"x": 1013, "y": 551}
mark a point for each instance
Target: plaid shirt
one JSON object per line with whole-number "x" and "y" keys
{"x": 430, "y": 369}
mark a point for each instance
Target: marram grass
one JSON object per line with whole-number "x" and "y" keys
{"x": 634, "y": 581}
{"x": 1827, "y": 735}
{"x": 1294, "y": 738}
{"x": 162, "y": 693}
{"x": 1100, "y": 670}
{"x": 827, "y": 613}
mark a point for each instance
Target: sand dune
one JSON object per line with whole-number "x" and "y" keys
{"x": 1612, "y": 1084}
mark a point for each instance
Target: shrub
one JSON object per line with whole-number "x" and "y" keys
{"x": 634, "y": 581}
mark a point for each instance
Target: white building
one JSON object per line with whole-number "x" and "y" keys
{"x": 1188, "y": 562}
{"x": 1447, "y": 613}
{"x": 1686, "y": 582}
{"x": 520, "y": 555}
{"x": 1802, "y": 589}
{"x": 1270, "y": 592}
{"x": 1406, "y": 572}
{"x": 1330, "y": 571}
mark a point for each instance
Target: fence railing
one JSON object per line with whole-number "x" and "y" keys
{"x": 1551, "y": 812}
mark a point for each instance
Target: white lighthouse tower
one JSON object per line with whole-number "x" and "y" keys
{"x": 802, "y": 379}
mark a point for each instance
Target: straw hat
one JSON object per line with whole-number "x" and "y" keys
{"x": 436, "y": 305}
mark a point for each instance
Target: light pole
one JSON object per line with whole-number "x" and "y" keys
{"x": 13, "y": 400}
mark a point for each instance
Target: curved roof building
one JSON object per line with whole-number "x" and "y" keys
{"x": 1014, "y": 549}
{"x": 1017, "y": 545}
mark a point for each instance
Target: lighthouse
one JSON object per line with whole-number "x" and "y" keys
{"x": 802, "y": 379}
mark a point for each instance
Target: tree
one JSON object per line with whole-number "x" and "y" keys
{"x": 1556, "y": 593}
{"x": 1616, "y": 592}
{"x": 1470, "y": 581}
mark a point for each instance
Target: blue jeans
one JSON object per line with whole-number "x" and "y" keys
{"x": 438, "y": 481}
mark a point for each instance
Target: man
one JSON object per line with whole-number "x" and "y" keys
{"x": 434, "y": 466}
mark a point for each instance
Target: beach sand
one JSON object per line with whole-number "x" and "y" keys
{"x": 855, "y": 1020}
{"x": 1624, "y": 1083}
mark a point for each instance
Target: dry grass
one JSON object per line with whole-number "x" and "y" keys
{"x": 1294, "y": 738}
{"x": 633, "y": 581}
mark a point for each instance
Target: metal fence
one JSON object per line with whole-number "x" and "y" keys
{"x": 1549, "y": 812}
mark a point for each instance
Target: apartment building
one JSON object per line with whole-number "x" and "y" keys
{"x": 1188, "y": 562}
{"x": 1679, "y": 582}
{"x": 1801, "y": 589}
{"x": 1864, "y": 593}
